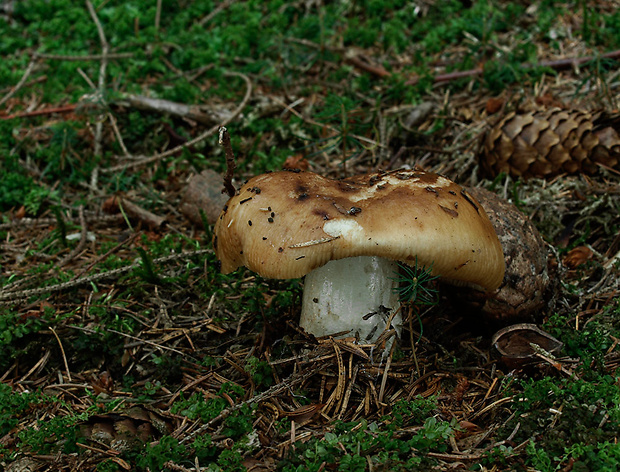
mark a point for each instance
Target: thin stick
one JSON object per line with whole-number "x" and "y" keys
{"x": 225, "y": 4}
{"x": 106, "y": 255}
{"x": 41, "y": 78}
{"x": 13, "y": 295}
{"x": 385, "y": 373}
{"x": 88, "y": 57}
{"x": 22, "y": 81}
{"x": 64, "y": 357}
{"x": 196, "y": 140}
{"x": 142, "y": 341}
{"x": 45, "y": 111}
{"x": 117, "y": 133}
{"x": 158, "y": 15}
{"x": 321, "y": 125}
{"x": 81, "y": 243}
{"x": 286, "y": 384}
{"x": 105, "y": 48}
{"x": 558, "y": 64}
{"x": 224, "y": 141}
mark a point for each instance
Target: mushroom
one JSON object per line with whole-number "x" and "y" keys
{"x": 346, "y": 237}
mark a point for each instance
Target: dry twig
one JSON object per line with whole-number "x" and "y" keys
{"x": 6, "y": 295}
{"x": 558, "y": 64}
{"x": 286, "y": 384}
{"x": 196, "y": 140}
{"x": 22, "y": 81}
{"x": 222, "y": 6}
{"x": 83, "y": 236}
{"x": 105, "y": 48}
{"x": 224, "y": 141}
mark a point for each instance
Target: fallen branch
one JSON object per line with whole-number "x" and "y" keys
{"x": 181, "y": 110}
{"x": 150, "y": 219}
{"x": 202, "y": 137}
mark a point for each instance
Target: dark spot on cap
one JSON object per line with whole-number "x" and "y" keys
{"x": 264, "y": 238}
{"x": 280, "y": 249}
{"x": 345, "y": 187}
{"x": 301, "y": 191}
{"x": 270, "y": 219}
{"x": 451, "y": 192}
{"x": 241, "y": 252}
{"x": 250, "y": 222}
{"x": 449, "y": 211}
{"x": 468, "y": 198}
{"x": 315, "y": 300}
{"x": 461, "y": 266}
{"x": 273, "y": 214}
{"x": 215, "y": 242}
{"x": 300, "y": 257}
{"x": 431, "y": 189}
{"x": 354, "y": 211}
{"x": 245, "y": 200}
{"x": 294, "y": 171}
{"x": 321, "y": 213}
{"x": 256, "y": 190}
{"x": 425, "y": 177}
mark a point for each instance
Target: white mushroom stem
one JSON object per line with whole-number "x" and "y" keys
{"x": 355, "y": 294}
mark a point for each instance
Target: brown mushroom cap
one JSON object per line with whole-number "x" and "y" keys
{"x": 286, "y": 224}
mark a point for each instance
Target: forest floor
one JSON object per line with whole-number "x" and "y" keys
{"x": 122, "y": 346}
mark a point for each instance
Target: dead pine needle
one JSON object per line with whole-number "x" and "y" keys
{"x": 224, "y": 141}
{"x": 62, "y": 350}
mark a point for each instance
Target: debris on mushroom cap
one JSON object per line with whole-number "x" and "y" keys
{"x": 286, "y": 224}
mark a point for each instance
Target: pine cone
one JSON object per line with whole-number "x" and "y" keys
{"x": 529, "y": 280}
{"x": 550, "y": 142}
